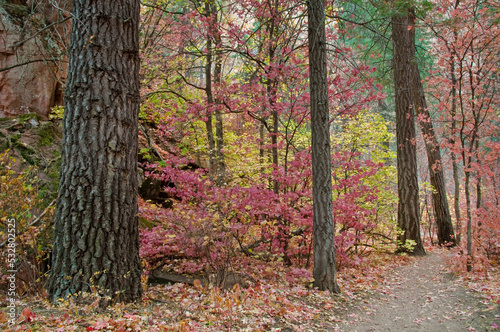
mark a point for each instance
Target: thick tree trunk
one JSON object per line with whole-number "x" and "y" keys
{"x": 324, "y": 271}
{"x": 96, "y": 240}
{"x": 440, "y": 205}
{"x": 408, "y": 205}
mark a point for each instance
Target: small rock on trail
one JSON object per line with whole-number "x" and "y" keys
{"x": 422, "y": 297}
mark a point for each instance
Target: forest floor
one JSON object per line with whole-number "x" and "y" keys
{"x": 386, "y": 293}
{"x": 422, "y": 296}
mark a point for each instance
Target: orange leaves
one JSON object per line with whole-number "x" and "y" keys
{"x": 197, "y": 284}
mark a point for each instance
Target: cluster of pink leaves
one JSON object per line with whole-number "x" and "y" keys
{"x": 466, "y": 45}
{"x": 211, "y": 224}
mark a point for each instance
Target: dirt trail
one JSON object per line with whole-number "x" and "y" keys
{"x": 422, "y": 297}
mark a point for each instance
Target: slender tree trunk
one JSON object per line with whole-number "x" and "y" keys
{"x": 408, "y": 205}
{"x": 219, "y": 125}
{"x": 261, "y": 147}
{"x": 472, "y": 155}
{"x": 324, "y": 271}
{"x": 456, "y": 181}
{"x": 469, "y": 217}
{"x": 478, "y": 185}
{"x": 219, "y": 140}
{"x": 96, "y": 242}
{"x": 274, "y": 142}
{"x": 211, "y": 146}
{"x": 442, "y": 214}
{"x": 209, "y": 121}
{"x": 215, "y": 144}
{"x": 271, "y": 93}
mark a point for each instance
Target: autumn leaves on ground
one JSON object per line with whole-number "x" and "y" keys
{"x": 389, "y": 294}
{"x": 251, "y": 166}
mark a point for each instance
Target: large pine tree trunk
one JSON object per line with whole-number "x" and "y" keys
{"x": 439, "y": 199}
{"x": 324, "y": 271}
{"x": 408, "y": 205}
{"x": 96, "y": 241}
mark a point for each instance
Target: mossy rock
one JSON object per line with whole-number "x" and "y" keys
{"x": 29, "y": 116}
{"x": 47, "y": 133}
{"x": 27, "y": 152}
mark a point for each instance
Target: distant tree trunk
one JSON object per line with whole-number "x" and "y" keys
{"x": 96, "y": 241}
{"x": 324, "y": 271}
{"x": 469, "y": 214}
{"x": 274, "y": 142}
{"x": 212, "y": 156}
{"x": 479, "y": 195}
{"x": 271, "y": 92}
{"x": 211, "y": 146}
{"x": 219, "y": 125}
{"x": 454, "y": 161}
{"x": 408, "y": 205}
{"x": 439, "y": 199}
{"x": 469, "y": 154}
{"x": 261, "y": 147}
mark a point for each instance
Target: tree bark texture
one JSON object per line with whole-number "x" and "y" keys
{"x": 209, "y": 122}
{"x": 440, "y": 205}
{"x": 271, "y": 88}
{"x": 453, "y": 140}
{"x": 408, "y": 205}
{"x": 96, "y": 243}
{"x": 324, "y": 271}
{"x": 216, "y": 144}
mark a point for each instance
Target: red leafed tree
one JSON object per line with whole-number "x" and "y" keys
{"x": 467, "y": 46}
{"x": 440, "y": 205}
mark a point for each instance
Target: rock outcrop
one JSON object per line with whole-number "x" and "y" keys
{"x": 33, "y": 39}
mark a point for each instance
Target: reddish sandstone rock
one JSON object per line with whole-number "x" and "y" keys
{"x": 26, "y": 38}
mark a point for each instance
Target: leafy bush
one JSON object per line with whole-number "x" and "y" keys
{"x": 20, "y": 200}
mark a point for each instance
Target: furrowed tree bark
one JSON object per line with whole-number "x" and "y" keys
{"x": 324, "y": 271}
{"x": 96, "y": 243}
{"x": 440, "y": 205}
{"x": 408, "y": 205}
